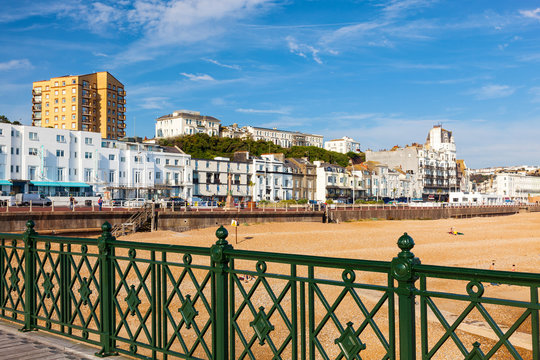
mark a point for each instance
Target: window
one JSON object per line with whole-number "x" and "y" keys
{"x": 63, "y": 100}
{"x": 111, "y": 175}
{"x": 73, "y": 91}
{"x": 60, "y": 138}
{"x": 88, "y": 141}
{"x": 166, "y": 161}
{"x": 60, "y": 174}
{"x": 73, "y": 81}
{"x": 111, "y": 156}
{"x": 63, "y": 109}
{"x": 32, "y": 151}
{"x": 87, "y": 155}
{"x": 158, "y": 175}
{"x": 73, "y": 125}
{"x": 122, "y": 159}
{"x": 158, "y": 161}
{"x": 33, "y": 135}
{"x": 87, "y": 175}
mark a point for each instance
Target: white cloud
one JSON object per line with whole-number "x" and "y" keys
{"x": 282, "y": 111}
{"x": 156, "y": 102}
{"x": 492, "y": 91}
{"x": 235, "y": 67}
{"x": 198, "y": 77}
{"x": 532, "y": 14}
{"x": 15, "y": 64}
{"x": 303, "y": 49}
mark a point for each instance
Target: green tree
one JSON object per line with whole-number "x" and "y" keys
{"x": 4, "y": 119}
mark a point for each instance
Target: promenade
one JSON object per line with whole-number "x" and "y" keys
{"x": 40, "y": 345}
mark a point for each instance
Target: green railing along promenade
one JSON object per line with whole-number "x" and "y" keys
{"x": 184, "y": 302}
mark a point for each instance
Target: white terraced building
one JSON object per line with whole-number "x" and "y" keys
{"x": 211, "y": 179}
{"x": 59, "y": 162}
{"x": 343, "y": 145}
{"x": 272, "y": 179}
{"x": 186, "y": 122}
{"x": 282, "y": 138}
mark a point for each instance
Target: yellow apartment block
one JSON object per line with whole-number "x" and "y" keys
{"x": 93, "y": 102}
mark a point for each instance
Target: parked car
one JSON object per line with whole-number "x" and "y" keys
{"x": 139, "y": 202}
{"x": 34, "y": 199}
{"x": 173, "y": 201}
{"x": 117, "y": 202}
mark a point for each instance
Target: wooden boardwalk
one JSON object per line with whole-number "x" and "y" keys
{"x": 15, "y": 345}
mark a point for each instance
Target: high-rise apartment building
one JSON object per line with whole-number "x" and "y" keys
{"x": 92, "y": 102}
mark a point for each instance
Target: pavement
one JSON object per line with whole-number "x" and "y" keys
{"x": 16, "y": 345}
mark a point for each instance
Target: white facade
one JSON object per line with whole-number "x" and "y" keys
{"x": 343, "y": 145}
{"x": 333, "y": 182}
{"x": 272, "y": 180}
{"x": 433, "y": 166}
{"x": 186, "y": 122}
{"x": 58, "y": 162}
{"x": 210, "y": 179}
{"x": 516, "y": 187}
{"x": 282, "y": 138}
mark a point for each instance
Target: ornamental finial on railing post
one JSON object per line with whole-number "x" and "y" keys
{"x": 402, "y": 269}
{"x": 221, "y": 285}
{"x": 30, "y": 224}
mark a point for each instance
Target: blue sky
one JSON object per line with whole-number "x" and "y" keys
{"x": 381, "y": 71}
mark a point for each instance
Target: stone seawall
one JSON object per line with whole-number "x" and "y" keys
{"x": 60, "y": 221}
{"x": 184, "y": 221}
{"x": 419, "y": 213}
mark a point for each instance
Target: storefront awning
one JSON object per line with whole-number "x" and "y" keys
{"x": 5, "y": 182}
{"x": 59, "y": 184}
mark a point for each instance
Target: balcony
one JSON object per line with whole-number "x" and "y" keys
{"x": 85, "y": 111}
{"x": 121, "y": 93}
{"x": 122, "y": 101}
{"x": 36, "y": 101}
{"x": 86, "y": 86}
{"x": 36, "y": 116}
{"x": 36, "y": 92}
{"x": 87, "y": 95}
{"x": 36, "y": 107}
{"x": 121, "y": 133}
{"x": 121, "y": 126}
{"x": 121, "y": 117}
{"x": 121, "y": 109}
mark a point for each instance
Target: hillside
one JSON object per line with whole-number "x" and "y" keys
{"x": 203, "y": 146}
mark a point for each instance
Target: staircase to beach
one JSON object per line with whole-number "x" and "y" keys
{"x": 134, "y": 223}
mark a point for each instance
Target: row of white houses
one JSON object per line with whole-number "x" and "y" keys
{"x": 58, "y": 162}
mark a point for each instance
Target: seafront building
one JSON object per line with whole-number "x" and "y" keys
{"x": 343, "y": 145}
{"x": 512, "y": 186}
{"x": 272, "y": 179}
{"x": 58, "y": 162}
{"x": 304, "y": 178}
{"x": 93, "y": 102}
{"x": 211, "y": 179}
{"x": 186, "y": 122}
{"x": 282, "y": 138}
{"x": 432, "y": 166}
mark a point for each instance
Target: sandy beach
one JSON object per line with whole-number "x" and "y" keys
{"x": 507, "y": 240}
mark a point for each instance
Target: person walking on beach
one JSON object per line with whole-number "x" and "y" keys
{"x": 100, "y": 203}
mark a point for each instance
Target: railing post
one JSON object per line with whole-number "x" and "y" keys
{"x": 29, "y": 277}
{"x": 220, "y": 292}
{"x": 403, "y": 272}
{"x": 106, "y": 289}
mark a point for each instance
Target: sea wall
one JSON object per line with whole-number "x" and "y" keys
{"x": 184, "y": 221}
{"x": 418, "y": 213}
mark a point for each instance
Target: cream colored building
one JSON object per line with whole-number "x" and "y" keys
{"x": 186, "y": 122}
{"x": 282, "y": 138}
{"x": 343, "y": 145}
{"x": 92, "y": 102}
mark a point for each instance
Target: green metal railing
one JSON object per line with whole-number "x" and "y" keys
{"x": 163, "y": 301}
